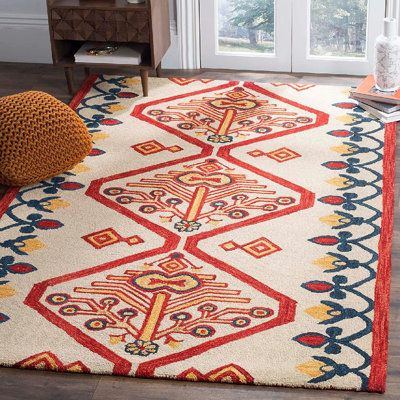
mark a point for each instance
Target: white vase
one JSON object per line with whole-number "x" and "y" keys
{"x": 387, "y": 58}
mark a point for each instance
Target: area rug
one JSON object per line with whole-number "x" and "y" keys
{"x": 219, "y": 231}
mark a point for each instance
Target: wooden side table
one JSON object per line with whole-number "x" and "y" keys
{"x": 73, "y": 22}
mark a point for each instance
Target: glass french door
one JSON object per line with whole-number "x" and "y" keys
{"x": 236, "y": 36}
{"x": 319, "y": 36}
{"x": 336, "y": 36}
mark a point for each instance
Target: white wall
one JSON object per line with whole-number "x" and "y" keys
{"x": 173, "y": 58}
{"x": 24, "y": 35}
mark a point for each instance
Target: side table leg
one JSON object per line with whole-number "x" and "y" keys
{"x": 159, "y": 71}
{"x": 87, "y": 72}
{"x": 144, "y": 74}
{"x": 70, "y": 78}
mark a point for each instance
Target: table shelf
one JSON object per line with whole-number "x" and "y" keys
{"x": 74, "y": 22}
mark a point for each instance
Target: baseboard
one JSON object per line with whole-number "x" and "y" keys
{"x": 22, "y": 19}
{"x": 25, "y": 38}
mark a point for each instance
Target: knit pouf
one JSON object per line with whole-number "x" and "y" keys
{"x": 40, "y": 137}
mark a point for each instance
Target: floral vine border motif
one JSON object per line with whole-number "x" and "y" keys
{"x": 111, "y": 102}
{"x": 339, "y": 287}
{"x": 96, "y": 110}
{"x": 26, "y": 240}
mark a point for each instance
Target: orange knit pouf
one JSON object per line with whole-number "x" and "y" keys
{"x": 40, "y": 137}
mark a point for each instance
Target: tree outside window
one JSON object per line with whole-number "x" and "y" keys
{"x": 338, "y": 27}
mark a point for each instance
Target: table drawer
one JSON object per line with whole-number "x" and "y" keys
{"x": 100, "y": 25}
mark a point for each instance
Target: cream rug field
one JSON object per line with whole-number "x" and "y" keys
{"x": 219, "y": 231}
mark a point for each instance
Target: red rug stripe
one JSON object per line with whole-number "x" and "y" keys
{"x": 380, "y": 338}
{"x": 83, "y": 91}
{"x": 7, "y": 199}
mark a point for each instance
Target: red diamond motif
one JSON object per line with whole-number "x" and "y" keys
{"x": 153, "y": 147}
{"x": 258, "y": 248}
{"x": 283, "y": 154}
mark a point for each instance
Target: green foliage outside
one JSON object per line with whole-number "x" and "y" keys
{"x": 253, "y": 15}
{"x": 338, "y": 27}
{"x": 247, "y": 25}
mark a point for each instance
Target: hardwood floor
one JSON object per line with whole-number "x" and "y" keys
{"x": 33, "y": 385}
{"x": 15, "y": 78}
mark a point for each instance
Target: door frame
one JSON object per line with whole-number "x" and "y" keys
{"x": 188, "y": 26}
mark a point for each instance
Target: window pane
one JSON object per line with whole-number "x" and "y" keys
{"x": 246, "y": 26}
{"x": 338, "y": 28}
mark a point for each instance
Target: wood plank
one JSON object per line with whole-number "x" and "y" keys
{"x": 112, "y": 5}
{"x": 159, "y": 30}
{"x": 40, "y": 385}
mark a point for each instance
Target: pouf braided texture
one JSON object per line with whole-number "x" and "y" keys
{"x": 40, "y": 137}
